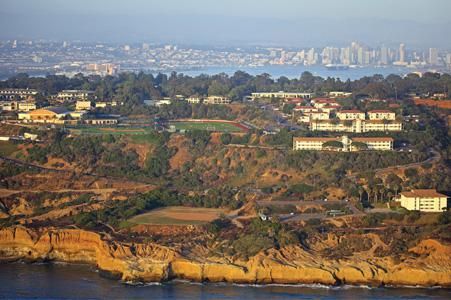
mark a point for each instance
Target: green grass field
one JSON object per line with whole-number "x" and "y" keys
{"x": 111, "y": 130}
{"x": 7, "y": 148}
{"x": 210, "y": 126}
{"x": 177, "y": 215}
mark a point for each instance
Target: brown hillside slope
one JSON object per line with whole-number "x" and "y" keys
{"x": 151, "y": 262}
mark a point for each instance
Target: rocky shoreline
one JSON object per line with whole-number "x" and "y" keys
{"x": 150, "y": 262}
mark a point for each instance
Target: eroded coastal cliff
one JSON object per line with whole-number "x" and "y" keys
{"x": 428, "y": 264}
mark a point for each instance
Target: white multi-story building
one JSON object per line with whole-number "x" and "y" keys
{"x": 343, "y": 143}
{"x": 17, "y": 94}
{"x": 357, "y": 125}
{"x": 282, "y": 95}
{"x": 381, "y": 115}
{"x": 306, "y": 109}
{"x": 17, "y": 106}
{"x": 83, "y": 105}
{"x": 352, "y": 114}
{"x": 426, "y": 200}
{"x": 325, "y": 102}
{"x": 308, "y": 117}
{"x": 73, "y": 95}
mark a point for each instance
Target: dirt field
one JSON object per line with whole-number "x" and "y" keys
{"x": 430, "y": 102}
{"x": 178, "y": 215}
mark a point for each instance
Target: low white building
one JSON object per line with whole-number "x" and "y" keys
{"x": 101, "y": 121}
{"x": 158, "y": 103}
{"x": 216, "y": 100}
{"x": 73, "y": 95}
{"x": 281, "y": 95}
{"x": 83, "y": 105}
{"x": 193, "y": 100}
{"x": 103, "y": 104}
{"x": 336, "y": 94}
{"x": 426, "y": 200}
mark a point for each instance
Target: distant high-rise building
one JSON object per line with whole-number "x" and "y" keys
{"x": 433, "y": 56}
{"x": 64, "y": 44}
{"x": 145, "y": 46}
{"x": 345, "y": 56}
{"x": 311, "y": 55}
{"x": 360, "y": 56}
{"x": 402, "y": 53}
{"x": 384, "y": 55}
{"x": 127, "y": 48}
{"x": 448, "y": 59}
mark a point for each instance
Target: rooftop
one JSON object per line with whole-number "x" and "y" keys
{"x": 351, "y": 111}
{"x": 423, "y": 193}
{"x": 381, "y": 111}
{"x": 372, "y": 139}
{"x": 316, "y": 139}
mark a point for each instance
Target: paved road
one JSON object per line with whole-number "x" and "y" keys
{"x": 257, "y": 147}
{"x": 308, "y": 216}
{"x": 297, "y": 203}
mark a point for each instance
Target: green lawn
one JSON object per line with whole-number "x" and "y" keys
{"x": 146, "y": 138}
{"x": 7, "y": 148}
{"x": 177, "y": 215}
{"x": 210, "y": 126}
{"x": 111, "y": 130}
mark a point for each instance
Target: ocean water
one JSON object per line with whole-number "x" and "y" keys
{"x": 67, "y": 281}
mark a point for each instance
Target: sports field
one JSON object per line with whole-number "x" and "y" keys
{"x": 178, "y": 215}
{"x": 208, "y": 125}
{"x": 111, "y": 130}
{"x": 7, "y": 148}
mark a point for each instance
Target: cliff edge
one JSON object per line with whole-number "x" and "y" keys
{"x": 428, "y": 264}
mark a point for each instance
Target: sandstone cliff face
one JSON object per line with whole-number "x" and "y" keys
{"x": 151, "y": 262}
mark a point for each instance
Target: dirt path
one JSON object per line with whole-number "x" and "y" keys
{"x": 42, "y": 168}
{"x": 433, "y": 159}
{"x": 102, "y": 191}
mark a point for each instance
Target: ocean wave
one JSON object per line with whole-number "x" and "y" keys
{"x": 140, "y": 283}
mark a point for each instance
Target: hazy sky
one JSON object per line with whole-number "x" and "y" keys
{"x": 284, "y": 22}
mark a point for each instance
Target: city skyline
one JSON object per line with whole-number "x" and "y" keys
{"x": 72, "y": 57}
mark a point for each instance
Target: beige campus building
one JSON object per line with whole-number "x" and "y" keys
{"x": 423, "y": 200}
{"x": 344, "y": 143}
{"x": 357, "y": 126}
{"x": 381, "y": 115}
{"x": 83, "y": 105}
{"x": 350, "y": 115}
{"x": 17, "y": 105}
